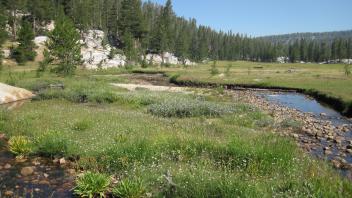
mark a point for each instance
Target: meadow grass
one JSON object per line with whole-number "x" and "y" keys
{"x": 205, "y": 156}
{"x": 329, "y": 79}
{"x": 231, "y": 153}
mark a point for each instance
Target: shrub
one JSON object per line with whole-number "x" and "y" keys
{"x": 347, "y": 70}
{"x": 264, "y": 122}
{"x": 20, "y": 145}
{"x": 213, "y": 69}
{"x": 22, "y": 55}
{"x": 92, "y": 185}
{"x": 180, "y": 107}
{"x": 227, "y": 71}
{"x": 289, "y": 123}
{"x": 52, "y": 144}
{"x": 82, "y": 125}
{"x": 143, "y": 98}
{"x": 102, "y": 97}
{"x": 130, "y": 189}
{"x": 173, "y": 78}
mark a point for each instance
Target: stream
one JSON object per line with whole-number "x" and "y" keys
{"x": 335, "y": 144}
{"x": 325, "y": 134}
{"x": 33, "y": 177}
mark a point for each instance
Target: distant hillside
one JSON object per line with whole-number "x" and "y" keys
{"x": 322, "y": 36}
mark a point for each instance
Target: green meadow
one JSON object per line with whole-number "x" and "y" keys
{"x": 175, "y": 144}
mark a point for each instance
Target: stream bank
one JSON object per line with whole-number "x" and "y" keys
{"x": 343, "y": 107}
{"x": 322, "y": 132}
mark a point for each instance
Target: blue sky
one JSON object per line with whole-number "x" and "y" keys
{"x": 267, "y": 17}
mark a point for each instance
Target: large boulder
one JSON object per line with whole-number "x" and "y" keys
{"x": 346, "y": 61}
{"x": 50, "y": 26}
{"x": 169, "y": 58}
{"x": 40, "y": 40}
{"x": 96, "y": 55}
{"x": 93, "y": 39}
{"x": 12, "y": 94}
{"x": 6, "y": 53}
{"x": 189, "y": 62}
{"x": 282, "y": 59}
{"x": 154, "y": 59}
{"x": 40, "y": 43}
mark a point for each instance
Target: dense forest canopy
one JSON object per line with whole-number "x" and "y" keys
{"x": 145, "y": 27}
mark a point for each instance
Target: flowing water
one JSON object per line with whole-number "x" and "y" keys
{"x": 323, "y": 113}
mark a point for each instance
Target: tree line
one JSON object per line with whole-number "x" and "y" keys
{"x": 320, "y": 51}
{"x": 139, "y": 27}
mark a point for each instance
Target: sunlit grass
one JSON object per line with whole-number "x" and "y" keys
{"x": 112, "y": 131}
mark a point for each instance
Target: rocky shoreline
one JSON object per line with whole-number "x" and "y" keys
{"x": 316, "y": 135}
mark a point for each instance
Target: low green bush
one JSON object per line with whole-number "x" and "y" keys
{"x": 52, "y": 144}
{"x": 92, "y": 185}
{"x": 20, "y": 145}
{"x": 130, "y": 188}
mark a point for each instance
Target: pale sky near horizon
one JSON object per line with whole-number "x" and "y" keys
{"x": 268, "y": 17}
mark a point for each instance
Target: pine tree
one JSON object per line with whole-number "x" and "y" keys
{"x": 3, "y": 33}
{"x": 25, "y": 50}
{"x": 162, "y": 36}
{"x": 294, "y": 52}
{"x": 182, "y": 46}
{"x": 41, "y": 11}
{"x": 167, "y": 14}
{"x": 14, "y": 6}
{"x": 64, "y": 47}
{"x": 112, "y": 25}
{"x": 3, "y": 20}
{"x": 349, "y": 49}
{"x": 131, "y": 19}
{"x": 129, "y": 48}
{"x": 303, "y": 50}
{"x": 131, "y": 27}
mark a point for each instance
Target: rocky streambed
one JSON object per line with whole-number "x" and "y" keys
{"x": 34, "y": 177}
{"x": 322, "y": 132}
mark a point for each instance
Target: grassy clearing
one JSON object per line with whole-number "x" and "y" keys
{"x": 165, "y": 144}
{"x": 325, "y": 78}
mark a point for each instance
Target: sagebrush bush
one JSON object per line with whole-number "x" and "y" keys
{"x": 92, "y": 185}
{"x": 52, "y": 144}
{"x": 293, "y": 124}
{"x": 20, "y": 145}
{"x": 180, "y": 107}
{"x": 264, "y": 122}
{"x": 145, "y": 98}
{"x": 130, "y": 188}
